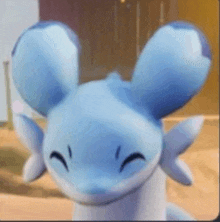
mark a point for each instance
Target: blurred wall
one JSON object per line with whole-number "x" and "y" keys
{"x": 205, "y": 15}
{"x": 15, "y": 16}
{"x": 112, "y": 32}
{"x": 108, "y": 34}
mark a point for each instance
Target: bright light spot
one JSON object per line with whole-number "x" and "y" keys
{"x": 122, "y": 1}
{"x": 17, "y": 107}
{"x": 193, "y": 45}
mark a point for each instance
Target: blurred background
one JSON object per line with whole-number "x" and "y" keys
{"x": 112, "y": 35}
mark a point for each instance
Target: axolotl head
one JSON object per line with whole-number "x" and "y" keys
{"x": 99, "y": 148}
{"x": 104, "y": 138}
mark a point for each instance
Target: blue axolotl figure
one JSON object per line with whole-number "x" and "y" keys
{"x": 105, "y": 146}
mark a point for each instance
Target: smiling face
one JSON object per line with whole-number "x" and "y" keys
{"x": 104, "y": 138}
{"x": 96, "y": 159}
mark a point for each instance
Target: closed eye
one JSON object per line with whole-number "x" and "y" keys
{"x": 130, "y": 158}
{"x": 60, "y": 157}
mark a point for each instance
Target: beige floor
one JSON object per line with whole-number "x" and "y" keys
{"x": 41, "y": 200}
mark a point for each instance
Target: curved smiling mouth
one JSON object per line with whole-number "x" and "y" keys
{"x": 117, "y": 192}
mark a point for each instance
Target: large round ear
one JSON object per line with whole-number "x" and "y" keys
{"x": 45, "y": 64}
{"x": 171, "y": 69}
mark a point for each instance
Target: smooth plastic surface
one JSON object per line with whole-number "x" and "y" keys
{"x": 105, "y": 146}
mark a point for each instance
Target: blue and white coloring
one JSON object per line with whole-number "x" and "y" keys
{"x": 105, "y": 146}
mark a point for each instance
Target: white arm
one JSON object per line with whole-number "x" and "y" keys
{"x": 176, "y": 141}
{"x": 32, "y": 136}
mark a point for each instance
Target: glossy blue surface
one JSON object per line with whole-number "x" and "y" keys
{"x": 205, "y": 46}
{"x": 87, "y": 123}
{"x": 45, "y": 24}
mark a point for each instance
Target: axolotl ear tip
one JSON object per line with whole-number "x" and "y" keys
{"x": 171, "y": 69}
{"x": 206, "y": 51}
{"x": 45, "y": 64}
